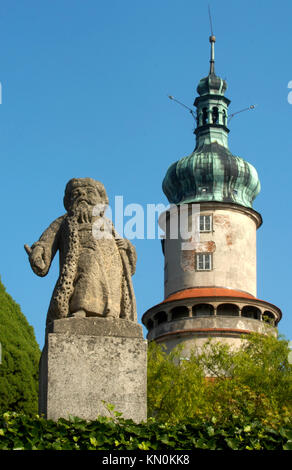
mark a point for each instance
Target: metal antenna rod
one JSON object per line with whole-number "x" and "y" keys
{"x": 182, "y": 104}
{"x": 252, "y": 106}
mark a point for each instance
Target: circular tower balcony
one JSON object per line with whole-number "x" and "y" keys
{"x": 192, "y": 316}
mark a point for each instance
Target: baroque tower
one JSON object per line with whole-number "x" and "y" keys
{"x": 210, "y": 277}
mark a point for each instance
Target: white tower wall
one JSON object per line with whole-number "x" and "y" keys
{"x": 231, "y": 244}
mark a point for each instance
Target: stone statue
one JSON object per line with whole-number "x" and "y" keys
{"x": 95, "y": 271}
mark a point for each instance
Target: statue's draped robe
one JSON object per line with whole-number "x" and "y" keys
{"x": 95, "y": 275}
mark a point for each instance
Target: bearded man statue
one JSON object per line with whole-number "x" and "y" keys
{"x": 96, "y": 264}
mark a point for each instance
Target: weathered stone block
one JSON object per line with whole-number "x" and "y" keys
{"x": 86, "y": 361}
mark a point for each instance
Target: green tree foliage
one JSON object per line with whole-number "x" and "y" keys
{"x": 252, "y": 383}
{"x": 174, "y": 384}
{"x": 20, "y": 357}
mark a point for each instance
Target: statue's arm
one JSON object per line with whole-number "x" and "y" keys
{"x": 42, "y": 252}
{"x": 132, "y": 255}
{"x": 125, "y": 245}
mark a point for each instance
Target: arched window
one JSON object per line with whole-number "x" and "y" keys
{"x": 251, "y": 312}
{"x": 228, "y": 310}
{"x": 205, "y": 116}
{"x": 160, "y": 317}
{"x": 224, "y": 117}
{"x": 269, "y": 317}
{"x": 215, "y": 115}
{"x": 179, "y": 312}
{"x": 149, "y": 324}
{"x": 203, "y": 310}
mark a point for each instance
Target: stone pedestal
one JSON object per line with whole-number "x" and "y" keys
{"x": 86, "y": 361}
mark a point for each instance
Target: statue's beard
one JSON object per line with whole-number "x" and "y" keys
{"x": 82, "y": 211}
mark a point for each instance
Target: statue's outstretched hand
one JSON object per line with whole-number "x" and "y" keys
{"x": 36, "y": 257}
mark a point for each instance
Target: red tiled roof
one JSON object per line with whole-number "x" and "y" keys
{"x": 207, "y": 292}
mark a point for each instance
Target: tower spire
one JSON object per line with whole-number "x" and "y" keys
{"x": 212, "y": 105}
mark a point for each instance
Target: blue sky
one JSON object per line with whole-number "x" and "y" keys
{"x": 84, "y": 93}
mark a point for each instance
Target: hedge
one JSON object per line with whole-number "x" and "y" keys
{"x": 23, "y": 432}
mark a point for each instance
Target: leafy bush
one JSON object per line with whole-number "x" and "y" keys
{"x": 20, "y": 357}
{"x": 21, "y": 432}
{"x": 249, "y": 384}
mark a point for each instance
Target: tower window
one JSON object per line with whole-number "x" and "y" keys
{"x": 149, "y": 324}
{"x": 204, "y": 262}
{"x": 215, "y": 115}
{"x": 205, "y": 223}
{"x": 268, "y": 317}
{"x": 178, "y": 312}
{"x": 228, "y": 310}
{"x": 160, "y": 317}
{"x": 205, "y": 116}
{"x": 203, "y": 310}
{"x": 224, "y": 117}
{"x": 250, "y": 312}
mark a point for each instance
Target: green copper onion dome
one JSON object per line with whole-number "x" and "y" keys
{"x": 211, "y": 172}
{"x": 212, "y": 84}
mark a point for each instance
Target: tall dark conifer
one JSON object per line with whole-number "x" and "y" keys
{"x": 20, "y": 357}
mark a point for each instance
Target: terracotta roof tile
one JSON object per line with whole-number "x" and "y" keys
{"x": 207, "y": 292}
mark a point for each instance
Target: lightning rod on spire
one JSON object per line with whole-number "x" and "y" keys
{"x": 212, "y": 40}
{"x": 182, "y": 104}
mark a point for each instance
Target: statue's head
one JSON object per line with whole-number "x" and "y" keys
{"x": 84, "y": 190}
